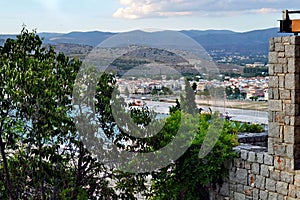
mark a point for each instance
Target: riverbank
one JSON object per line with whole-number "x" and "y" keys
{"x": 239, "y": 104}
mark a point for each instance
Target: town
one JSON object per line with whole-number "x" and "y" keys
{"x": 241, "y": 88}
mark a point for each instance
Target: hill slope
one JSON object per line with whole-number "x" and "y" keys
{"x": 252, "y": 42}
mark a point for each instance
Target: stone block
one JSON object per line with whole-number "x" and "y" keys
{"x": 290, "y": 81}
{"x": 248, "y": 191}
{"x": 280, "y": 197}
{"x": 255, "y": 168}
{"x": 273, "y": 196}
{"x": 244, "y": 154}
{"x": 286, "y": 40}
{"x": 251, "y": 180}
{"x": 282, "y": 187}
{"x": 275, "y": 105}
{"x": 279, "y": 163}
{"x": 274, "y": 130}
{"x": 288, "y": 134}
{"x": 283, "y": 61}
{"x": 279, "y": 116}
{"x": 260, "y": 182}
{"x": 291, "y": 109}
{"x": 281, "y": 81}
{"x": 280, "y": 149}
{"x": 281, "y": 54}
{"x": 292, "y": 191}
{"x": 273, "y": 81}
{"x": 273, "y": 57}
{"x": 289, "y": 164}
{"x": 287, "y": 177}
{"x": 264, "y": 170}
{"x": 275, "y": 175}
{"x": 239, "y": 196}
{"x": 290, "y": 51}
{"x": 255, "y": 194}
{"x": 290, "y": 151}
{"x": 252, "y": 156}
{"x": 263, "y": 195}
{"x": 279, "y": 47}
{"x": 285, "y": 94}
{"x": 270, "y": 185}
{"x": 241, "y": 176}
{"x": 240, "y": 188}
{"x": 260, "y": 157}
{"x": 278, "y": 40}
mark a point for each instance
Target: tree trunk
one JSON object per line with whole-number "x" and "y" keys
{"x": 79, "y": 172}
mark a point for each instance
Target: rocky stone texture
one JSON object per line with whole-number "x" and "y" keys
{"x": 258, "y": 139}
{"x": 273, "y": 172}
{"x": 284, "y": 126}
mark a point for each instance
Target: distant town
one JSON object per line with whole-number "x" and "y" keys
{"x": 241, "y": 88}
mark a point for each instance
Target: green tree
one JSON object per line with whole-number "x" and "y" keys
{"x": 190, "y": 177}
{"x": 166, "y": 91}
{"x": 41, "y": 155}
{"x": 228, "y": 91}
{"x": 174, "y": 108}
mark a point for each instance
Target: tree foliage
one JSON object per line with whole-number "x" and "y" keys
{"x": 43, "y": 156}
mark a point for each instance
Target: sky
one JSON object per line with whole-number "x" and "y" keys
{"x": 124, "y": 15}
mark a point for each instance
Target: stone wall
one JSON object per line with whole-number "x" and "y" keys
{"x": 273, "y": 173}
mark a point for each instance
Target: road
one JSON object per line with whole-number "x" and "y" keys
{"x": 243, "y": 115}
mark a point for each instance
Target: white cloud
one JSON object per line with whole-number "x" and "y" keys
{"x": 137, "y": 9}
{"x": 134, "y": 9}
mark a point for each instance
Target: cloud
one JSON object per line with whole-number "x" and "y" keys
{"x": 135, "y": 9}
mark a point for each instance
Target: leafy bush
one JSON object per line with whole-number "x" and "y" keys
{"x": 190, "y": 177}
{"x": 247, "y": 127}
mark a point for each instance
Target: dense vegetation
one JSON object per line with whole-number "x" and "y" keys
{"x": 43, "y": 157}
{"x": 255, "y": 71}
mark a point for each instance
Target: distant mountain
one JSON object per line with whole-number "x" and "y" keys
{"x": 84, "y": 38}
{"x": 252, "y": 42}
{"x": 5, "y": 37}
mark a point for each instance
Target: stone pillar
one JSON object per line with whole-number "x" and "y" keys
{"x": 284, "y": 102}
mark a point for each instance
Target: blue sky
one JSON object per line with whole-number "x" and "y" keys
{"x": 124, "y": 15}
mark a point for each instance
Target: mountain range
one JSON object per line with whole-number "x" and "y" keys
{"x": 252, "y": 42}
